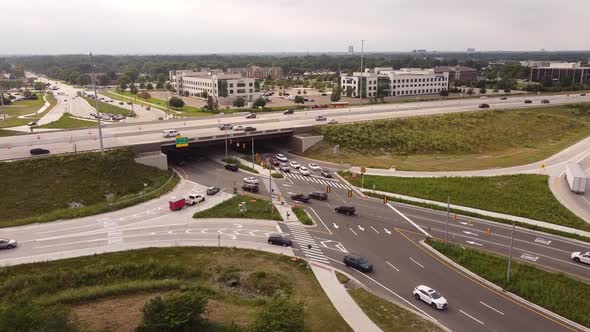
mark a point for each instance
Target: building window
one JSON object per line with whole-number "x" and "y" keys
{"x": 241, "y": 90}
{"x": 231, "y": 91}
{"x": 231, "y": 85}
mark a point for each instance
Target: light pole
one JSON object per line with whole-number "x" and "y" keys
{"x": 225, "y": 133}
{"x": 252, "y": 152}
{"x": 509, "y": 271}
{"x": 96, "y": 106}
{"x": 447, "y": 223}
{"x": 362, "y": 75}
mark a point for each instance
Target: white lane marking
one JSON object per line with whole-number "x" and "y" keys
{"x": 361, "y": 228}
{"x": 320, "y": 219}
{"x": 408, "y": 220}
{"x": 376, "y": 231}
{"x": 286, "y": 185}
{"x": 543, "y": 241}
{"x": 470, "y": 233}
{"x": 388, "y": 263}
{"x": 420, "y": 265}
{"x": 475, "y": 319}
{"x": 347, "y": 187}
{"x": 335, "y": 226}
{"x": 278, "y": 229}
{"x": 387, "y": 231}
{"x": 529, "y": 257}
{"x": 496, "y": 310}
{"x": 291, "y": 193}
{"x": 474, "y": 243}
{"x": 465, "y": 223}
{"x": 352, "y": 231}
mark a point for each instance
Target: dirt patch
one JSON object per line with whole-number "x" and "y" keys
{"x": 227, "y": 313}
{"x": 122, "y": 313}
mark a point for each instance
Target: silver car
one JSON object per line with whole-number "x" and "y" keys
{"x": 7, "y": 244}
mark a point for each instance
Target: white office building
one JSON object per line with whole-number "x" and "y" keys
{"x": 223, "y": 87}
{"x": 387, "y": 82}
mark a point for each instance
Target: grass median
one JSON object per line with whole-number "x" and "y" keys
{"x": 126, "y": 96}
{"x": 64, "y": 187}
{"x": 67, "y": 121}
{"x": 525, "y": 195}
{"x": 563, "y": 295}
{"x": 109, "y": 108}
{"x": 302, "y": 216}
{"x": 256, "y": 208}
{"x": 107, "y": 292}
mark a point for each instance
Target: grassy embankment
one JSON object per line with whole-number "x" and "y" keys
{"x": 41, "y": 189}
{"x": 66, "y": 121}
{"x": 75, "y": 294}
{"x": 232, "y": 160}
{"x": 23, "y": 107}
{"x": 302, "y": 216}
{"x": 256, "y": 208}
{"x": 563, "y": 295}
{"x": 461, "y": 141}
{"x": 126, "y": 96}
{"x": 109, "y": 108}
{"x": 519, "y": 195}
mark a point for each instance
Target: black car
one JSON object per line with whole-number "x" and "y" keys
{"x": 231, "y": 167}
{"x": 484, "y": 106}
{"x": 212, "y": 191}
{"x": 503, "y": 98}
{"x": 275, "y": 162}
{"x": 582, "y": 94}
{"x": 322, "y": 196}
{"x": 358, "y": 262}
{"x": 545, "y": 101}
{"x": 300, "y": 198}
{"x": 280, "y": 240}
{"x": 326, "y": 173}
{"x": 288, "y": 112}
{"x": 249, "y": 129}
{"x": 344, "y": 209}
{"x": 38, "y": 151}
{"x": 528, "y": 101}
{"x": 253, "y": 188}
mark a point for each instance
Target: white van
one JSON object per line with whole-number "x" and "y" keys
{"x": 169, "y": 132}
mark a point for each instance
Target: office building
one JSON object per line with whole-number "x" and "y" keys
{"x": 260, "y": 73}
{"x": 223, "y": 87}
{"x": 458, "y": 73}
{"x": 557, "y": 72}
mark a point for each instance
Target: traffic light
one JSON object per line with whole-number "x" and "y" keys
{"x": 384, "y": 199}
{"x": 350, "y": 193}
{"x": 489, "y": 232}
{"x": 328, "y": 189}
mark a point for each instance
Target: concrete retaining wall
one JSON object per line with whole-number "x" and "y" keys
{"x": 300, "y": 143}
{"x": 154, "y": 159}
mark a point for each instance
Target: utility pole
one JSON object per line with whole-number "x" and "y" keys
{"x": 509, "y": 271}
{"x": 96, "y": 106}
{"x": 362, "y": 69}
{"x": 167, "y": 105}
{"x": 269, "y": 185}
{"x": 225, "y": 133}
{"x": 2, "y": 102}
{"x": 252, "y": 152}
{"x": 447, "y": 223}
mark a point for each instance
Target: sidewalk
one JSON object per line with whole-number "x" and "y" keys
{"x": 285, "y": 211}
{"x": 342, "y": 301}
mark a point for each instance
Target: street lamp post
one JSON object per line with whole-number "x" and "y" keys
{"x": 447, "y": 223}
{"x": 225, "y": 133}
{"x": 96, "y": 106}
{"x": 361, "y": 79}
{"x": 509, "y": 270}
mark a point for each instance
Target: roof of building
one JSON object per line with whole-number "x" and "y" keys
{"x": 440, "y": 69}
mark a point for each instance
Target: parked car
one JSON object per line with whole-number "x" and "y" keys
{"x": 238, "y": 128}
{"x": 280, "y": 240}
{"x": 38, "y": 151}
{"x": 314, "y": 167}
{"x": 545, "y": 101}
{"x": 212, "y": 191}
{"x": 300, "y": 198}
{"x": 275, "y": 162}
{"x": 431, "y": 297}
{"x": 231, "y": 167}
{"x": 503, "y": 98}
{"x": 251, "y": 116}
{"x": 250, "y": 187}
{"x": 320, "y": 118}
{"x": 32, "y": 124}
{"x": 294, "y": 164}
{"x": 319, "y": 195}
{"x": 528, "y": 101}
{"x": 193, "y": 198}
{"x": 484, "y": 105}
{"x": 304, "y": 171}
{"x": 288, "y": 112}
{"x": 250, "y": 129}
{"x": 345, "y": 209}
{"x": 582, "y": 95}
{"x": 121, "y": 103}
{"x": 169, "y": 133}
{"x": 358, "y": 262}
{"x": 281, "y": 157}
{"x": 251, "y": 180}
{"x": 326, "y": 173}
{"x": 285, "y": 168}
{"x": 333, "y": 121}
{"x": 119, "y": 117}
{"x": 7, "y": 244}
{"x": 225, "y": 126}
{"x": 580, "y": 257}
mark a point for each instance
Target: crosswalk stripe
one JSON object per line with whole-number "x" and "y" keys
{"x": 313, "y": 250}
{"x": 315, "y": 255}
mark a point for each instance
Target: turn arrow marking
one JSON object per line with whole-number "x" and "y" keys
{"x": 335, "y": 226}
{"x": 361, "y": 228}
{"x": 387, "y": 231}
{"x": 474, "y": 243}
{"x": 470, "y": 233}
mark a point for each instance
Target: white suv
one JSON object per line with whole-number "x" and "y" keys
{"x": 251, "y": 180}
{"x": 430, "y": 296}
{"x": 581, "y": 257}
{"x": 294, "y": 164}
{"x": 193, "y": 198}
{"x": 314, "y": 167}
{"x": 281, "y": 157}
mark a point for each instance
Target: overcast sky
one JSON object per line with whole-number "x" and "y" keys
{"x": 226, "y": 26}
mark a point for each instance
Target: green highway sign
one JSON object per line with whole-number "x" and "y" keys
{"x": 181, "y": 142}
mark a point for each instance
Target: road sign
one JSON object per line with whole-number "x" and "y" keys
{"x": 350, "y": 193}
{"x": 489, "y": 232}
{"x": 328, "y": 189}
{"x": 181, "y": 142}
{"x": 384, "y": 199}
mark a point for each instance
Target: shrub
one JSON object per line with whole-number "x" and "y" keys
{"x": 176, "y": 102}
{"x": 27, "y": 316}
{"x": 280, "y": 315}
{"x": 178, "y": 311}
{"x": 267, "y": 283}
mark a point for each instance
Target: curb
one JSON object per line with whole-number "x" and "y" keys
{"x": 500, "y": 289}
{"x": 353, "y": 187}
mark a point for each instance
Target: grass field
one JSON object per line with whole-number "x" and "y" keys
{"x": 388, "y": 316}
{"x": 128, "y": 96}
{"x": 257, "y": 208}
{"x": 520, "y": 195}
{"x": 109, "y": 290}
{"x": 109, "y": 108}
{"x": 462, "y": 141}
{"x": 40, "y": 189}
{"x": 24, "y": 107}
{"x": 68, "y": 122}
{"x": 302, "y": 216}
{"x": 563, "y": 295}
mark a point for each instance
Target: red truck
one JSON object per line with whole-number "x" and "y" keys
{"x": 176, "y": 203}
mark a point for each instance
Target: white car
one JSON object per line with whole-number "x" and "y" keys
{"x": 314, "y": 167}
{"x": 294, "y": 164}
{"x": 238, "y": 128}
{"x": 431, "y": 297}
{"x": 581, "y": 257}
{"x": 193, "y": 198}
{"x": 251, "y": 180}
{"x": 304, "y": 171}
{"x": 7, "y": 244}
{"x": 281, "y": 157}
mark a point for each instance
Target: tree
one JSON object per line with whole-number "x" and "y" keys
{"x": 349, "y": 91}
{"x": 144, "y": 95}
{"x": 483, "y": 90}
{"x": 176, "y": 102}
{"x": 39, "y": 86}
{"x": 444, "y": 92}
{"x": 470, "y": 91}
{"x": 280, "y": 315}
{"x": 175, "y": 312}
{"x": 211, "y": 104}
{"x": 299, "y": 100}
{"x": 304, "y": 92}
{"x": 133, "y": 89}
{"x": 169, "y": 86}
{"x": 149, "y": 86}
{"x": 298, "y": 92}
{"x": 142, "y": 86}
{"x": 123, "y": 85}
{"x": 336, "y": 94}
{"x": 102, "y": 80}
{"x": 239, "y": 102}
{"x": 159, "y": 85}
{"x": 28, "y": 95}
{"x": 259, "y": 102}
{"x": 204, "y": 94}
